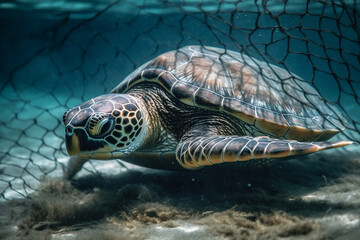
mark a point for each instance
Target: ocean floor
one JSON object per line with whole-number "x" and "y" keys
{"x": 314, "y": 197}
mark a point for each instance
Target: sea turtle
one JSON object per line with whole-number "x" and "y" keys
{"x": 200, "y": 106}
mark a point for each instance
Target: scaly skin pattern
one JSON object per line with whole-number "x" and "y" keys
{"x": 104, "y": 126}
{"x": 203, "y": 151}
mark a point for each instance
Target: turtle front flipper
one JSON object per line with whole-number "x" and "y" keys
{"x": 75, "y": 164}
{"x": 197, "y": 152}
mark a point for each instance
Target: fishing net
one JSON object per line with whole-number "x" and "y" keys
{"x": 54, "y": 57}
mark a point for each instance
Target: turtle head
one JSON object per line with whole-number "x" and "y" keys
{"x": 106, "y": 127}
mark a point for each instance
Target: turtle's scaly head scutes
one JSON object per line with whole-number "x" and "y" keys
{"x": 106, "y": 127}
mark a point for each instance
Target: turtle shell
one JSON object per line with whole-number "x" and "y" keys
{"x": 265, "y": 96}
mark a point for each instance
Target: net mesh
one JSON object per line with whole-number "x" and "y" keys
{"x": 55, "y": 57}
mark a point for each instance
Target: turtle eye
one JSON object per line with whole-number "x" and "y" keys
{"x": 101, "y": 127}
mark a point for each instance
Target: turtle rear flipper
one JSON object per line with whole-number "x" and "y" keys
{"x": 197, "y": 152}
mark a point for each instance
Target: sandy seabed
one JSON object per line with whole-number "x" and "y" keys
{"x": 314, "y": 197}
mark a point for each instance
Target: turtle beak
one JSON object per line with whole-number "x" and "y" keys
{"x": 72, "y": 141}
{"x": 77, "y": 143}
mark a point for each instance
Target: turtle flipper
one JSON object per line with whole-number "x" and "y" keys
{"x": 197, "y": 152}
{"x": 75, "y": 164}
